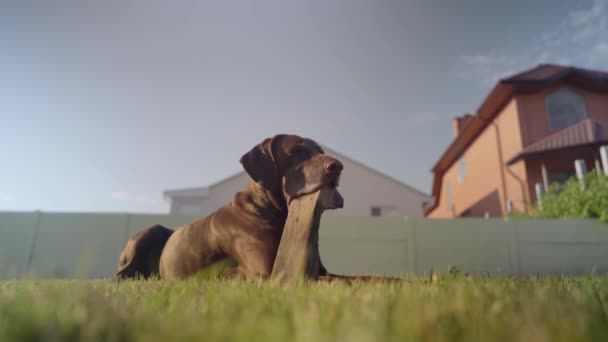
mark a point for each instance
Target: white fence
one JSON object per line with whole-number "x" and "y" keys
{"x": 88, "y": 245}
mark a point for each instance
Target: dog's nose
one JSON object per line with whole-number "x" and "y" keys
{"x": 333, "y": 166}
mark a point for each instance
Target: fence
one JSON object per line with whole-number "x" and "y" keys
{"x": 88, "y": 245}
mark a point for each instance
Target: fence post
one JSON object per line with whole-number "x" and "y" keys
{"x": 543, "y": 170}
{"x": 539, "y": 195}
{"x": 604, "y": 156}
{"x": 30, "y": 254}
{"x": 581, "y": 170}
{"x": 126, "y": 232}
{"x": 514, "y": 251}
{"x": 412, "y": 244}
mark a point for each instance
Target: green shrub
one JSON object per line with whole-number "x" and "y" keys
{"x": 568, "y": 200}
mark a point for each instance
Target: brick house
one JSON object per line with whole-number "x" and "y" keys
{"x": 529, "y": 129}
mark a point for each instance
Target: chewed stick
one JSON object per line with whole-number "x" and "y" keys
{"x": 298, "y": 253}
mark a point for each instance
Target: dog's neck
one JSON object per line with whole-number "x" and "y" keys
{"x": 263, "y": 205}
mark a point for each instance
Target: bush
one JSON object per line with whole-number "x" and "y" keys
{"x": 568, "y": 200}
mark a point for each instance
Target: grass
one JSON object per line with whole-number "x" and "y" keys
{"x": 445, "y": 307}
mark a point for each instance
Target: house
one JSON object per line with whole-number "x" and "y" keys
{"x": 530, "y": 129}
{"x": 366, "y": 192}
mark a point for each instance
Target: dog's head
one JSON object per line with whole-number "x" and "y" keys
{"x": 291, "y": 166}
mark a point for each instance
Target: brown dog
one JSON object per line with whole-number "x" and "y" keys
{"x": 141, "y": 255}
{"x": 248, "y": 229}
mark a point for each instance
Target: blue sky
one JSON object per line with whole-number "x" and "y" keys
{"x": 106, "y": 104}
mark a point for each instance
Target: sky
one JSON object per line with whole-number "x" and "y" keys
{"x": 106, "y": 104}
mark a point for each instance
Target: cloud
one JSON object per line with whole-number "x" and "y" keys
{"x": 585, "y": 16}
{"x": 580, "y": 38}
{"x": 4, "y": 197}
{"x": 119, "y": 195}
{"x": 599, "y": 52}
{"x": 135, "y": 198}
{"x": 591, "y": 22}
{"x": 488, "y": 68}
{"x": 145, "y": 199}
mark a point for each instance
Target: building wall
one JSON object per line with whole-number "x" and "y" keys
{"x": 559, "y": 161}
{"x": 535, "y": 126}
{"x": 523, "y": 121}
{"x": 534, "y": 116}
{"x": 224, "y": 192}
{"x": 360, "y": 187}
{"x": 219, "y": 195}
{"x": 486, "y": 184}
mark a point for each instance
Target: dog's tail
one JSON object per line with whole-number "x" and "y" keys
{"x": 141, "y": 255}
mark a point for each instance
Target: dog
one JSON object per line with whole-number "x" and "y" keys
{"x": 248, "y": 229}
{"x": 141, "y": 255}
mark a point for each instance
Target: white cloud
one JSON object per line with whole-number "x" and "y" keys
{"x": 585, "y": 17}
{"x": 600, "y": 51}
{"x": 145, "y": 199}
{"x": 580, "y": 38}
{"x": 489, "y": 67}
{"x": 119, "y": 195}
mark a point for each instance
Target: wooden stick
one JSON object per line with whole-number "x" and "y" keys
{"x": 298, "y": 253}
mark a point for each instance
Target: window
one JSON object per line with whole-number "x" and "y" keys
{"x": 385, "y": 210}
{"x": 462, "y": 170}
{"x": 448, "y": 196}
{"x": 466, "y": 213}
{"x": 561, "y": 176}
{"x": 565, "y": 108}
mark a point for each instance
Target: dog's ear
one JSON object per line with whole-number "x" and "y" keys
{"x": 260, "y": 163}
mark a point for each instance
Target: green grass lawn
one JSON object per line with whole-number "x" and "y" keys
{"x": 439, "y": 308}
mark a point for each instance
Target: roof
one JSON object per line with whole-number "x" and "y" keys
{"x": 198, "y": 192}
{"x": 379, "y": 173}
{"x": 550, "y": 72}
{"x": 585, "y": 132}
{"x": 204, "y": 191}
{"x": 528, "y": 81}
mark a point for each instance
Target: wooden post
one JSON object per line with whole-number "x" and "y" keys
{"x": 509, "y": 206}
{"x": 298, "y": 253}
{"x": 581, "y": 170}
{"x": 604, "y": 157}
{"x": 543, "y": 169}
{"x": 539, "y": 195}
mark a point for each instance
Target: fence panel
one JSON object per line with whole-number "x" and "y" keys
{"x": 471, "y": 245}
{"x": 562, "y": 246}
{"x": 364, "y": 245}
{"x": 16, "y": 234}
{"x": 78, "y": 245}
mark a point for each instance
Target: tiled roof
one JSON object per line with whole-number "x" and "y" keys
{"x": 551, "y": 72}
{"x": 542, "y": 72}
{"x": 585, "y": 132}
